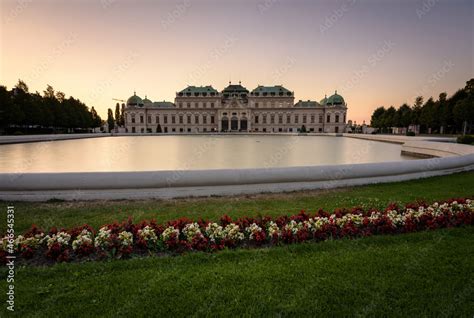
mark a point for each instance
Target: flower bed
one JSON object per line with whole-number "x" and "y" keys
{"x": 120, "y": 240}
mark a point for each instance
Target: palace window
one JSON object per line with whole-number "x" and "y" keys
{"x": 133, "y": 119}
{"x": 288, "y": 119}
{"x": 133, "y": 129}
{"x": 328, "y": 118}
{"x": 312, "y": 119}
{"x": 196, "y": 105}
{"x": 304, "y": 119}
{"x": 272, "y": 119}
{"x": 141, "y": 119}
{"x": 204, "y": 104}
{"x": 212, "y": 105}
{"x": 204, "y": 119}
{"x": 189, "y": 105}
{"x": 320, "y": 119}
{"x": 212, "y": 119}
{"x": 149, "y": 119}
{"x": 188, "y": 119}
{"x": 264, "y": 119}
{"x": 181, "y": 119}
{"x": 296, "y": 119}
{"x": 256, "y": 105}
{"x": 196, "y": 119}
{"x": 337, "y": 118}
{"x": 157, "y": 118}
{"x": 256, "y": 119}
{"x": 165, "y": 119}
{"x": 280, "y": 119}
{"x": 180, "y": 105}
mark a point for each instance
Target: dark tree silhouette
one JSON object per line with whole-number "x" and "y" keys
{"x": 25, "y": 112}
{"x": 110, "y": 120}
{"x": 445, "y": 115}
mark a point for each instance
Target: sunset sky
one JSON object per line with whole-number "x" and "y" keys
{"x": 373, "y": 52}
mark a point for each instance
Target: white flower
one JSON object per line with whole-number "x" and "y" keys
{"x": 126, "y": 238}
{"x": 148, "y": 234}
{"x": 103, "y": 237}
{"x": 191, "y": 230}
{"x": 293, "y": 227}
{"x": 84, "y": 238}
{"x": 168, "y": 232}
{"x": 62, "y": 238}
{"x": 273, "y": 229}
{"x": 252, "y": 230}
{"x": 232, "y": 232}
{"x": 215, "y": 232}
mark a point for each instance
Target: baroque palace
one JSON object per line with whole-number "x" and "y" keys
{"x": 265, "y": 109}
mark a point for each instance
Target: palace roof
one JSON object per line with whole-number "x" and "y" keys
{"x": 277, "y": 90}
{"x": 307, "y": 104}
{"x": 198, "y": 90}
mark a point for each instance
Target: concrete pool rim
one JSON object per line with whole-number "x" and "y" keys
{"x": 445, "y": 158}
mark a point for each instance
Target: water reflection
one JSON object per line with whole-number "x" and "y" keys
{"x": 145, "y": 153}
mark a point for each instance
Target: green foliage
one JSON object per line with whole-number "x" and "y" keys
{"x": 445, "y": 115}
{"x": 410, "y": 133}
{"x": 110, "y": 119}
{"x": 467, "y": 139}
{"x": 21, "y": 110}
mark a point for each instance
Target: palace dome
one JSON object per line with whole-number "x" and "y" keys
{"x": 335, "y": 99}
{"x": 134, "y": 100}
{"x": 324, "y": 100}
{"x": 146, "y": 101}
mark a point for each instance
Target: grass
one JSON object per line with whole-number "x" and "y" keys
{"x": 418, "y": 275}
{"x": 69, "y": 214}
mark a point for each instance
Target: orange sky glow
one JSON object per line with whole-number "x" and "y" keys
{"x": 372, "y": 52}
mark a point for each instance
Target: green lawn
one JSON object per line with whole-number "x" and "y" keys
{"x": 66, "y": 214}
{"x": 423, "y": 274}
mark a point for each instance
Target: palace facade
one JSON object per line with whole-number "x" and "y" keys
{"x": 235, "y": 109}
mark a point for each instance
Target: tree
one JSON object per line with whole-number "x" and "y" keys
{"x": 428, "y": 115}
{"x": 60, "y": 96}
{"x": 110, "y": 120}
{"x": 158, "y": 129}
{"x": 96, "y": 120}
{"x": 22, "y": 86}
{"x": 446, "y": 115}
{"x": 376, "y": 119}
{"x": 49, "y": 92}
{"x": 404, "y": 116}
{"x": 416, "y": 113}
{"x": 117, "y": 114}
{"x": 303, "y": 129}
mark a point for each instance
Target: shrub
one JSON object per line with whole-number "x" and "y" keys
{"x": 466, "y": 139}
{"x": 410, "y": 133}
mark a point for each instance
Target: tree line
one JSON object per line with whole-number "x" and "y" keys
{"x": 50, "y": 112}
{"x": 445, "y": 115}
{"x": 119, "y": 119}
